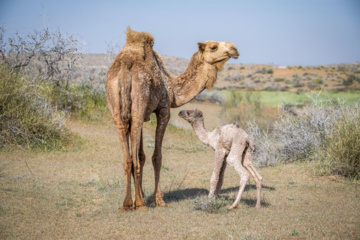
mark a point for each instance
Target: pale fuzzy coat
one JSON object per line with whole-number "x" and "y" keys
{"x": 232, "y": 145}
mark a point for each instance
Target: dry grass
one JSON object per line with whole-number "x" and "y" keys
{"x": 76, "y": 195}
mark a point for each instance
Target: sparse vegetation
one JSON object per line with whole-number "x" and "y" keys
{"x": 211, "y": 205}
{"x": 27, "y": 120}
{"x": 77, "y": 194}
{"x": 340, "y": 154}
{"x": 82, "y": 188}
{"x": 326, "y": 128}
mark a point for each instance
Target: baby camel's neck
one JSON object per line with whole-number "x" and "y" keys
{"x": 201, "y": 132}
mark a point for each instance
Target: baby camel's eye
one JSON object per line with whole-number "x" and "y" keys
{"x": 213, "y": 48}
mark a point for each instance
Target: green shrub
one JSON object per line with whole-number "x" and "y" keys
{"x": 27, "y": 120}
{"x": 82, "y": 100}
{"x": 341, "y": 150}
{"x": 240, "y": 107}
{"x": 350, "y": 79}
{"x": 318, "y": 80}
{"x": 279, "y": 79}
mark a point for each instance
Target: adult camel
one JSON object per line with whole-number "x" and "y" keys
{"x": 137, "y": 84}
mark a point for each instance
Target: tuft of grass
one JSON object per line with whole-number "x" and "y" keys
{"x": 27, "y": 120}
{"x": 211, "y": 205}
{"x": 294, "y": 232}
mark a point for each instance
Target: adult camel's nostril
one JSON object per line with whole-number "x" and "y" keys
{"x": 234, "y": 53}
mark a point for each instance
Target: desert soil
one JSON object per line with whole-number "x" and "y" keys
{"x": 76, "y": 194}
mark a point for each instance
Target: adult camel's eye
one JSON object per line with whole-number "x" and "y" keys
{"x": 213, "y": 48}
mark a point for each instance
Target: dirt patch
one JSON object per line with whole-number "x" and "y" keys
{"x": 76, "y": 195}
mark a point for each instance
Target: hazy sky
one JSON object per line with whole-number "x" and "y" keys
{"x": 288, "y": 32}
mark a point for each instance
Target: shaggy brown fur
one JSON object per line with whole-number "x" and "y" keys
{"x": 138, "y": 84}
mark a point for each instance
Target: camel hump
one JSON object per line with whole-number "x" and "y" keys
{"x": 138, "y": 39}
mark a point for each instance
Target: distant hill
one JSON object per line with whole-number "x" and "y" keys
{"x": 259, "y": 76}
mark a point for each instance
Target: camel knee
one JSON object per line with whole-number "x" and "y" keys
{"x": 260, "y": 181}
{"x": 214, "y": 180}
{"x": 142, "y": 159}
{"x": 156, "y": 161}
{"x": 244, "y": 178}
{"x": 128, "y": 165}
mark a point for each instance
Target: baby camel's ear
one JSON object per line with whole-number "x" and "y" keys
{"x": 198, "y": 113}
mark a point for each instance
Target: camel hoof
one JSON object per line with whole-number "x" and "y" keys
{"x": 159, "y": 202}
{"x": 125, "y": 209}
{"x": 143, "y": 207}
{"x": 257, "y": 206}
{"x": 232, "y": 207}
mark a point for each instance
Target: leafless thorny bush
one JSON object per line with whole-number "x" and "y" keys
{"x": 37, "y": 70}
{"x": 306, "y": 134}
{"x": 266, "y": 152}
{"x": 55, "y": 61}
{"x": 49, "y": 55}
{"x": 303, "y": 134}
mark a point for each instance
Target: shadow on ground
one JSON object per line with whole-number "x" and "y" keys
{"x": 192, "y": 193}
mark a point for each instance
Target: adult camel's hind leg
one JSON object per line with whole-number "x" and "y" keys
{"x": 122, "y": 129}
{"x": 142, "y": 159}
{"x": 258, "y": 179}
{"x": 124, "y": 139}
{"x": 162, "y": 117}
{"x": 135, "y": 136}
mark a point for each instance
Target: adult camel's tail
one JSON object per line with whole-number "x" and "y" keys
{"x": 133, "y": 51}
{"x": 124, "y": 79}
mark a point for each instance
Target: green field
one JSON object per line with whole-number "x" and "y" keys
{"x": 268, "y": 98}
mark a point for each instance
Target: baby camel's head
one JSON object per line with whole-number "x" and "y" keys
{"x": 191, "y": 115}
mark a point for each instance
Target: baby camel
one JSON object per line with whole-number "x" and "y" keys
{"x": 232, "y": 145}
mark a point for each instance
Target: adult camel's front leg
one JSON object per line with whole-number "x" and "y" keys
{"x": 162, "y": 117}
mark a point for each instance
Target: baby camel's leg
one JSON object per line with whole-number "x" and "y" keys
{"x": 258, "y": 179}
{"x": 221, "y": 179}
{"x": 235, "y": 159}
{"x": 214, "y": 181}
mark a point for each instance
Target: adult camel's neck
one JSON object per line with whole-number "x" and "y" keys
{"x": 198, "y": 76}
{"x": 201, "y": 132}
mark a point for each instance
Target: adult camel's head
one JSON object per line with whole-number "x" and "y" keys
{"x": 213, "y": 55}
{"x": 217, "y": 52}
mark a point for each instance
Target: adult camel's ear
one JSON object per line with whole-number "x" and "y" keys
{"x": 201, "y": 46}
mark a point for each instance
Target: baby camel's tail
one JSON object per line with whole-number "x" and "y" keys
{"x": 251, "y": 144}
